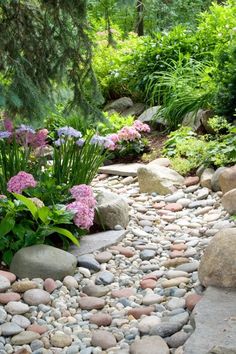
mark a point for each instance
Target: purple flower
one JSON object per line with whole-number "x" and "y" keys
{"x": 21, "y": 181}
{"x": 80, "y": 142}
{"x": 25, "y": 129}
{"x": 69, "y": 131}
{"x": 59, "y": 142}
{"x": 83, "y": 214}
{"x": 81, "y": 191}
{"x": 5, "y": 134}
{"x": 97, "y": 139}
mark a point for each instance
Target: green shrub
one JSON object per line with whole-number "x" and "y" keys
{"x": 188, "y": 151}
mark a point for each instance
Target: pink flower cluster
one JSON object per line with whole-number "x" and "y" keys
{"x": 31, "y": 138}
{"x": 83, "y": 206}
{"x": 128, "y": 134}
{"x": 141, "y": 127}
{"x": 21, "y": 181}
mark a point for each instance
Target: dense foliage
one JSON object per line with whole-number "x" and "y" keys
{"x": 181, "y": 69}
{"x": 45, "y": 56}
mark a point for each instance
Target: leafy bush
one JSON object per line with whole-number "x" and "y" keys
{"x": 188, "y": 151}
{"x": 114, "y": 122}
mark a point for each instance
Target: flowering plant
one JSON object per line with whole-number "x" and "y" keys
{"x": 26, "y": 220}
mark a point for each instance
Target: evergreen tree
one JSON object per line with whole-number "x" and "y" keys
{"x": 44, "y": 46}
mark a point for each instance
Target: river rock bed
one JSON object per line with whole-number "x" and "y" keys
{"x": 133, "y": 297}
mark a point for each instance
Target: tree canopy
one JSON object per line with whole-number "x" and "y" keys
{"x": 44, "y": 44}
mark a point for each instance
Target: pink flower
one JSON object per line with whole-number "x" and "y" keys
{"x": 40, "y": 138}
{"x": 83, "y": 214}
{"x": 110, "y": 145}
{"x": 113, "y": 137}
{"x": 81, "y": 191}
{"x": 8, "y": 125}
{"x": 128, "y": 134}
{"x": 21, "y": 181}
{"x": 141, "y": 127}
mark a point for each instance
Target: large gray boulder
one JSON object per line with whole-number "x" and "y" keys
{"x": 206, "y": 177}
{"x": 158, "y": 179}
{"x": 198, "y": 121}
{"x": 43, "y": 261}
{"x": 112, "y": 210}
{"x": 218, "y": 264}
{"x": 215, "y": 180}
{"x": 229, "y": 201}
{"x": 119, "y": 105}
{"x": 135, "y": 110}
{"x": 227, "y": 179}
{"x": 150, "y": 116}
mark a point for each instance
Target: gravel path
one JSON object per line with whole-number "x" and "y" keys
{"x": 134, "y": 297}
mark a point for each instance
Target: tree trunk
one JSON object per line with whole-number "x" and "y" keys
{"x": 140, "y": 24}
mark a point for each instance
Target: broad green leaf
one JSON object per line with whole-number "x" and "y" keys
{"x": 66, "y": 233}
{"x": 28, "y": 203}
{"x": 7, "y": 257}
{"x": 6, "y": 225}
{"x": 43, "y": 214}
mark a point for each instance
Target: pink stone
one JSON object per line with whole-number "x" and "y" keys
{"x": 91, "y": 302}
{"x": 102, "y": 176}
{"x": 192, "y": 300}
{"x": 159, "y": 205}
{"x": 148, "y": 283}
{"x": 127, "y": 252}
{"x": 10, "y": 276}
{"x": 154, "y": 275}
{"x": 126, "y": 292}
{"x": 37, "y": 328}
{"x": 101, "y": 319}
{"x": 137, "y": 312}
{"x": 178, "y": 247}
{"x": 176, "y": 254}
{"x": 174, "y": 207}
{"x": 191, "y": 181}
{"x": 7, "y": 297}
{"x": 50, "y": 285}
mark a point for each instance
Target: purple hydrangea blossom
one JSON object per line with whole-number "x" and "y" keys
{"x": 97, "y": 139}
{"x": 69, "y": 131}
{"x": 83, "y": 214}
{"x": 21, "y": 181}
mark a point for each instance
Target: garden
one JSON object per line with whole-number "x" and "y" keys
{"x": 117, "y": 174}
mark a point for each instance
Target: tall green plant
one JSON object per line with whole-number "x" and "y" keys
{"x": 184, "y": 87}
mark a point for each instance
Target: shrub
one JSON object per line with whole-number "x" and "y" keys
{"x": 188, "y": 151}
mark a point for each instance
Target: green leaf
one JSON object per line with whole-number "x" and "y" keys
{"x": 43, "y": 214}
{"x": 6, "y": 225}
{"x": 66, "y": 233}
{"x": 28, "y": 203}
{"x": 7, "y": 257}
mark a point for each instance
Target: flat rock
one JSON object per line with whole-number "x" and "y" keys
{"x": 10, "y": 329}
{"x": 150, "y": 345}
{"x": 158, "y": 179}
{"x": 4, "y": 284}
{"x": 214, "y": 323}
{"x": 61, "y": 340}
{"x": 43, "y": 261}
{"x": 101, "y": 319}
{"x": 121, "y": 169}
{"x": 16, "y": 308}
{"x": 36, "y": 297}
{"x": 170, "y": 325}
{"x": 103, "y": 339}
{"x": 7, "y": 297}
{"x": 91, "y": 302}
{"x": 23, "y": 285}
{"x": 97, "y": 242}
{"x": 147, "y": 323}
{"x": 103, "y": 257}
{"x": 25, "y": 337}
{"x": 95, "y": 290}
{"x": 10, "y": 276}
{"x": 21, "y": 321}
{"x": 137, "y": 312}
{"x": 218, "y": 349}
{"x": 88, "y": 261}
